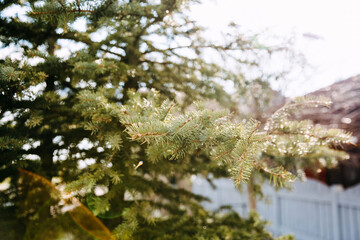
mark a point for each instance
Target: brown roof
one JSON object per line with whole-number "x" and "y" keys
{"x": 344, "y": 113}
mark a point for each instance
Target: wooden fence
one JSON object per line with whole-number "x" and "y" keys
{"x": 311, "y": 211}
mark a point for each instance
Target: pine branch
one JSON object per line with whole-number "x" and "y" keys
{"x": 62, "y": 5}
{"x": 140, "y": 135}
{"x": 186, "y": 122}
{"x": 240, "y": 177}
{"x": 58, "y": 12}
{"x": 78, "y": 4}
{"x": 224, "y": 153}
{"x": 168, "y": 110}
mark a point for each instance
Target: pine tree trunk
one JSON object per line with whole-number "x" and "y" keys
{"x": 132, "y": 59}
{"x": 251, "y": 194}
{"x": 48, "y": 148}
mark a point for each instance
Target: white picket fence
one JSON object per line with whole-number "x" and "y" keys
{"x": 312, "y": 211}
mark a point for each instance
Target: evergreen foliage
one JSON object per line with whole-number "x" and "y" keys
{"x": 106, "y": 125}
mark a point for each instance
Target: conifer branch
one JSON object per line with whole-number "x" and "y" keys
{"x": 111, "y": 52}
{"x": 242, "y": 165}
{"x": 140, "y": 135}
{"x": 265, "y": 169}
{"x": 57, "y": 12}
{"x": 62, "y": 5}
{"x": 275, "y": 132}
{"x": 157, "y": 19}
{"x": 262, "y": 139}
{"x": 191, "y": 46}
{"x": 304, "y": 103}
{"x": 186, "y": 122}
{"x": 84, "y": 102}
{"x": 224, "y": 153}
{"x": 278, "y": 175}
{"x": 254, "y": 130}
{"x": 182, "y": 148}
{"x": 78, "y": 4}
{"x": 168, "y": 110}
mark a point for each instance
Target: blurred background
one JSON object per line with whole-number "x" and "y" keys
{"x": 326, "y": 34}
{"x": 311, "y": 49}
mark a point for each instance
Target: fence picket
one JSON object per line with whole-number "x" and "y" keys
{"x": 311, "y": 211}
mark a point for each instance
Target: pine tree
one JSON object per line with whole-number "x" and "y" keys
{"x": 104, "y": 132}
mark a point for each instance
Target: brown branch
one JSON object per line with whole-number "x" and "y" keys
{"x": 126, "y": 112}
{"x": 43, "y": 13}
{"x": 63, "y": 6}
{"x": 242, "y": 166}
{"x": 56, "y": 12}
{"x": 253, "y": 131}
{"x": 183, "y": 147}
{"x": 147, "y": 134}
{"x": 266, "y": 137}
{"x": 269, "y": 171}
{"x": 157, "y": 19}
{"x": 224, "y": 153}
{"x": 86, "y": 40}
{"x": 298, "y": 133}
{"x": 185, "y": 123}
{"x": 168, "y": 110}
{"x": 108, "y": 51}
{"x": 212, "y": 46}
{"x": 155, "y": 62}
{"x": 78, "y": 4}
{"x": 295, "y": 105}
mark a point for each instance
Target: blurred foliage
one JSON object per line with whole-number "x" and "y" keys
{"x": 118, "y": 124}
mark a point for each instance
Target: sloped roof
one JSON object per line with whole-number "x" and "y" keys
{"x": 344, "y": 113}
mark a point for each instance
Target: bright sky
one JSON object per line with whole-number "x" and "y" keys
{"x": 335, "y": 52}
{"x": 327, "y": 32}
